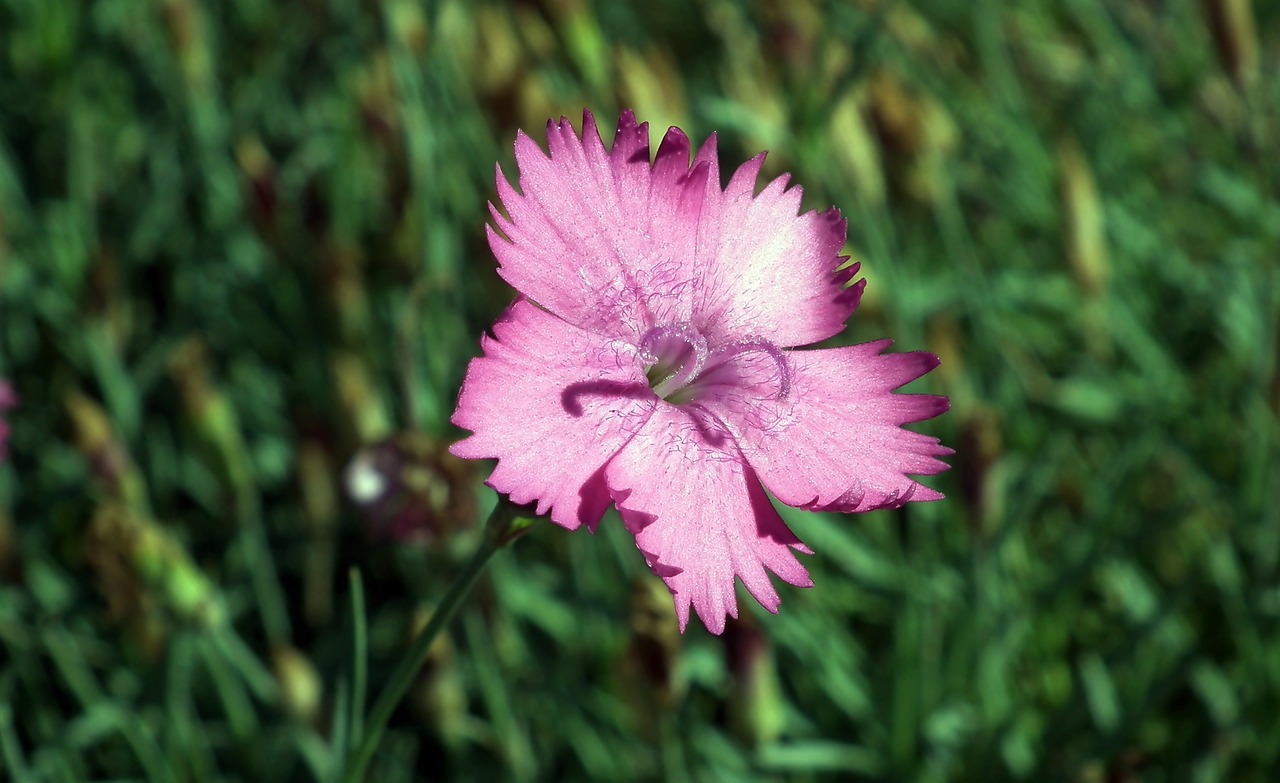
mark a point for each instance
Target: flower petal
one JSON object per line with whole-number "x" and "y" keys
{"x": 768, "y": 272}
{"x": 835, "y": 441}
{"x": 552, "y": 403}
{"x": 700, "y": 517}
{"x": 612, "y": 244}
{"x": 599, "y": 237}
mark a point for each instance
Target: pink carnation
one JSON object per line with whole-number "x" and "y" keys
{"x": 652, "y": 362}
{"x": 8, "y": 401}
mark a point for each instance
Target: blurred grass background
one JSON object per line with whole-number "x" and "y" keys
{"x": 241, "y": 248}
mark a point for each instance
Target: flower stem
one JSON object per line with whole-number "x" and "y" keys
{"x": 507, "y": 523}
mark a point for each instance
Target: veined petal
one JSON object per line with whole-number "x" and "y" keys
{"x": 701, "y": 518}
{"x": 836, "y": 441}
{"x": 597, "y": 236}
{"x": 552, "y": 403}
{"x": 767, "y": 271}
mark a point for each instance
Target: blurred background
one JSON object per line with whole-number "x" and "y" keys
{"x": 243, "y": 268}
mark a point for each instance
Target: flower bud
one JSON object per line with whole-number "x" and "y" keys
{"x": 1232, "y": 26}
{"x": 300, "y": 687}
{"x": 139, "y": 563}
{"x": 96, "y": 438}
{"x": 649, "y": 661}
{"x": 409, "y": 488}
{"x": 756, "y": 710}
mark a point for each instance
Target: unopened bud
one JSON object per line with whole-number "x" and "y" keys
{"x": 756, "y": 709}
{"x": 137, "y": 560}
{"x": 1086, "y": 230}
{"x": 1234, "y": 32}
{"x": 650, "y": 657}
{"x": 96, "y": 438}
{"x": 300, "y": 688}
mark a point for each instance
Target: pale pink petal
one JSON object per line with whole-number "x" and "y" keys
{"x": 598, "y": 237}
{"x": 552, "y": 403}
{"x": 701, "y": 518}
{"x": 767, "y": 271}
{"x": 835, "y": 441}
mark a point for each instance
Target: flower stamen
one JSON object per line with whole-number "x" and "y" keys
{"x": 676, "y": 354}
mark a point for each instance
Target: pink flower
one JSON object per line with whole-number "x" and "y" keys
{"x": 652, "y": 362}
{"x": 8, "y": 401}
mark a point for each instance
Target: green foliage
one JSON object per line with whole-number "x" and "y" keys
{"x": 242, "y": 245}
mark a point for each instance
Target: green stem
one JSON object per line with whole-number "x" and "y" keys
{"x": 506, "y": 524}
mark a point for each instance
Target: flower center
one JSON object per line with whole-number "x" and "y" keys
{"x": 680, "y": 366}
{"x": 675, "y": 354}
